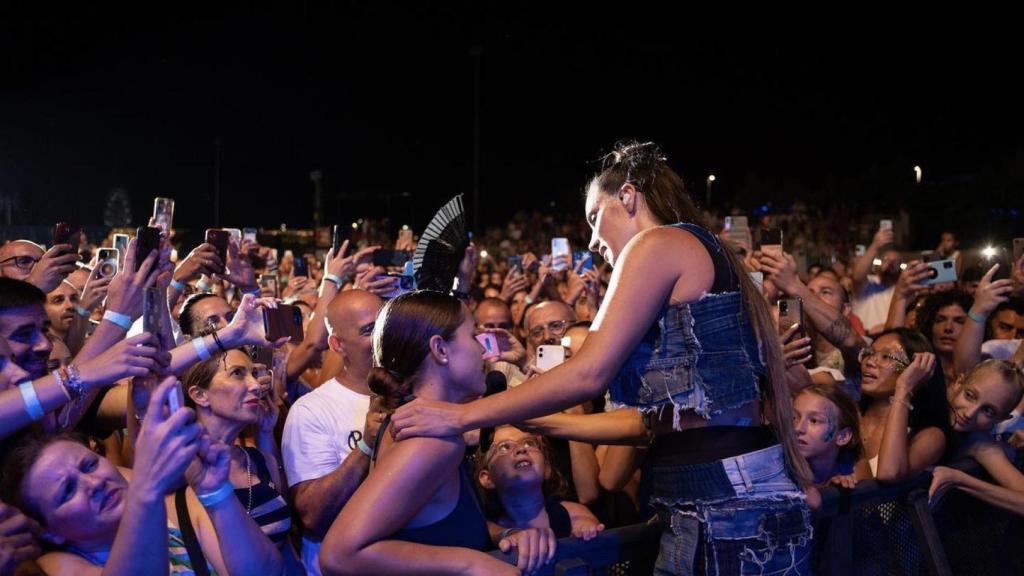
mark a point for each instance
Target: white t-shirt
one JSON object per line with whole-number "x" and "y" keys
{"x": 315, "y": 441}
{"x": 871, "y": 305}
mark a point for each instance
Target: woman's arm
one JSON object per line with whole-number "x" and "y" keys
{"x": 399, "y": 486}
{"x": 898, "y": 461}
{"x": 624, "y": 426}
{"x": 641, "y": 286}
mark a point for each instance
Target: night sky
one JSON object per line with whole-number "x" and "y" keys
{"x": 380, "y": 98}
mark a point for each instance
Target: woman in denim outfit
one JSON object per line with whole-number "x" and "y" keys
{"x": 684, "y": 337}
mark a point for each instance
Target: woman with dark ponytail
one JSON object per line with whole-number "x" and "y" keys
{"x": 417, "y": 497}
{"x": 685, "y": 337}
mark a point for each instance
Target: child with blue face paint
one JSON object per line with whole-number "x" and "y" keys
{"x": 825, "y": 420}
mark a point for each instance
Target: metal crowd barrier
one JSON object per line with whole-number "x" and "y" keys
{"x": 883, "y": 529}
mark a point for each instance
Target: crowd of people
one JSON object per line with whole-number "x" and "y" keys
{"x": 667, "y": 366}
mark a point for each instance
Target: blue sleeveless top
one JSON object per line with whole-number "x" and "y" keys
{"x": 700, "y": 356}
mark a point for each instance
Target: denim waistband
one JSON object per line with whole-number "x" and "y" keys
{"x": 761, "y": 473}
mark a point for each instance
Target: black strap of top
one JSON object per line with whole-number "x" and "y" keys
{"x": 188, "y": 534}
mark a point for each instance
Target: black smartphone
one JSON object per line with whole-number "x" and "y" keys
{"x": 147, "y": 239}
{"x": 771, "y": 241}
{"x": 65, "y": 233}
{"x": 516, "y": 263}
{"x": 285, "y": 320}
{"x": 339, "y": 233}
{"x": 219, "y": 239}
{"x": 388, "y": 258}
{"x": 151, "y": 312}
{"x": 791, "y": 311}
{"x": 263, "y": 355}
{"x": 301, "y": 267}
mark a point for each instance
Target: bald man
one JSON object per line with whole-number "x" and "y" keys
{"x": 545, "y": 323}
{"x": 27, "y": 261}
{"x": 328, "y": 431}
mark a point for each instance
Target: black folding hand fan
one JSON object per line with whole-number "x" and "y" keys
{"x": 441, "y": 248}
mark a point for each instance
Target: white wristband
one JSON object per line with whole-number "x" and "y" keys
{"x": 32, "y": 405}
{"x": 335, "y": 279}
{"x": 122, "y": 320}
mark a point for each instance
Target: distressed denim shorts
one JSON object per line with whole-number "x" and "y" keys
{"x": 741, "y": 515}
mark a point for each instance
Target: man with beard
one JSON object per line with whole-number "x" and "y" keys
{"x": 23, "y": 325}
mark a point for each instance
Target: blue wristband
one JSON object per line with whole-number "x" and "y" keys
{"x": 976, "y": 317}
{"x": 179, "y": 286}
{"x": 82, "y": 311}
{"x": 122, "y": 320}
{"x": 217, "y": 496}
{"x": 364, "y": 447}
{"x": 32, "y": 405}
{"x": 200, "y": 345}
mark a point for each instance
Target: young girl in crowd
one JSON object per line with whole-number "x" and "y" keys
{"x": 904, "y": 414}
{"x": 522, "y": 491}
{"x": 980, "y": 400}
{"x": 828, "y": 432}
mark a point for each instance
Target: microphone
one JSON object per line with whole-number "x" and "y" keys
{"x": 496, "y": 382}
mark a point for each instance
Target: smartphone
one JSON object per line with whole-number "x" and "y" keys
{"x": 249, "y": 235}
{"x": 388, "y": 258}
{"x": 406, "y": 283}
{"x": 586, "y": 257}
{"x": 300, "y": 267}
{"x": 108, "y": 259}
{"x": 163, "y": 214}
{"x": 490, "y": 344}
{"x": 1018, "y": 249}
{"x": 996, "y": 255}
{"x": 147, "y": 239}
{"x": 560, "y": 247}
{"x": 121, "y": 245}
{"x": 860, "y": 250}
{"x": 339, "y": 233}
{"x": 515, "y": 263}
{"x": 771, "y": 241}
{"x": 405, "y": 236}
{"x": 219, "y": 240}
{"x": 941, "y": 271}
{"x": 791, "y": 311}
{"x": 285, "y": 320}
{"x": 732, "y": 222}
{"x": 64, "y": 233}
{"x": 263, "y": 355}
{"x": 151, "y": 311}
{"x": 236, "y": 236}
{"x": 268, "y": 282}
{"x": 549, "y": 356}
{"x": 885, "y": 224}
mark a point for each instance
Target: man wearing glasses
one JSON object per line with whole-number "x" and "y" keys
{"x": 545, "y": 323}
{"x": 27, "y": 261}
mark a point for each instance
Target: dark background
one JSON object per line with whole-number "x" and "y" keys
{"x": 380, "y": 97}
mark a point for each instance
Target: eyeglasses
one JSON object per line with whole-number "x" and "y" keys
{"x": 506, "y": 447}
{"x": 23, "y": 262}
{"x": 884, "y": 359}
{"x": 556, "y": 327}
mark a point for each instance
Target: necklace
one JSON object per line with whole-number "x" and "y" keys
{"x": 248, "y": 477}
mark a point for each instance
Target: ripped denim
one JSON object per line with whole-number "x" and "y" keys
{"x": 741, "y": 515}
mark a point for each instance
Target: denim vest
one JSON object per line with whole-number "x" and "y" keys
{"x": 701, "y": 356}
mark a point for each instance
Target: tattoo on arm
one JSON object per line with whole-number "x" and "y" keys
{"x": 839, "y": 331}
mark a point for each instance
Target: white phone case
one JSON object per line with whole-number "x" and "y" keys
{"x": 549, "y": 356}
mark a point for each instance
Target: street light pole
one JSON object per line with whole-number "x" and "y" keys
{"x": 707, "y": 198}
{"x": 917, "y": 174}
